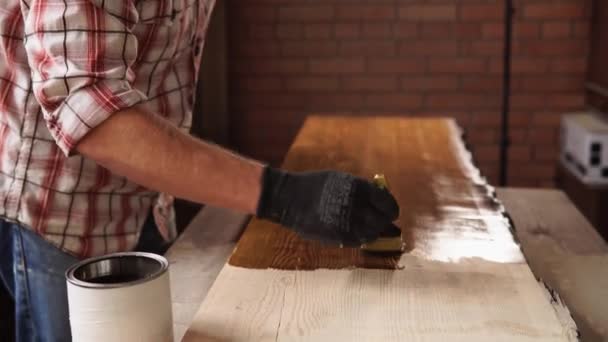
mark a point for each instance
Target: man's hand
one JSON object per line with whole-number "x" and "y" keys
{"x": 328, "y": 206}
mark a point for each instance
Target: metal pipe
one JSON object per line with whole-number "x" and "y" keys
{"x": 506, "y": 93}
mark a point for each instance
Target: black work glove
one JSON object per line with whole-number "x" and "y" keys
{"x": 329, "y": 206}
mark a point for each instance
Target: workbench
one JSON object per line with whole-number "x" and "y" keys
{"x": 561, "y": 247}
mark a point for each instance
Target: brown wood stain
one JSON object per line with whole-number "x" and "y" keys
{"x": 441, "y": 200}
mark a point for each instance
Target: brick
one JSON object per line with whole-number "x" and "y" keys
{"x": 374, "y": 83}
{"x": 551, "y": 82}
{"x": 492, "y": 30}
{"x": 309, "y": 48}
{"x": 245, "y": 101}
{"x": 376, "y": 30}
{"x": 466, "y": 100}
{"x": 347, "y": 30}
{"x": 487, "y": 118}
{"x": 290, "y": 30}
{"x": 519, "y": 119}
{"x": 517, "y": 136}
{"x": 514, "y": 181}
{"x": 541, "y": 119}
{"x": 268, "y": 66}
{"x": 429, "y": 48}
{"x": 307, "y": 83}
{"x": 489, "y": 171}
{"x": 571, "y": 10}
{"x": 405, "y": 29}
{"x": 576, "y": 65}
{"x": 482, "y": 12}
{"x": 257, "y": 84}
{"x": 345, "y": 102}
{"x": 485, "y": 48}
{"x": 428, "y": 12}
{"x": 447, "y": 30}
{"x": 553, "y": 48}
{"x": 543, "y": 135}
{"x": 523, "y": 30}
{"x": 556, "y": 29}
{"x": 581, "y": 29}
{"x": 481, "y": 83}
{"x": 366, "y": 12}
{"x": 255, "y": 117}
{"x": 337, "y": 65}
{"x": 521, "y": 65}
{"x": 261, "y": 31}
{"x": 482, "y": 136}
{"x": 430, "y": 83}
{"x": 259, "y": 48}
{"x": 368, "y": 48}
{"x": 546, "y": 153}
{"x": 567, "y": 101}
{"x": 519, "y": 153}
{"x": 486, "y": 153}
{"x": 457, "y": 65}
{"x": 521, "y": 101}
{"x": 390, "y": 101}
{"x": 254, "y": 13}
{"x": 318, "y": 31}
{"x": 306, "y": 13}
{"x": 396, "y": 65}
{"x": 526, "y": 170}
{"x": 529, "y": 65}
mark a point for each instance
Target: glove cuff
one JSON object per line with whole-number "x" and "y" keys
{"x": 269, "y": 204}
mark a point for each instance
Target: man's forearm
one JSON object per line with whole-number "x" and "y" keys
{"x": 146, "y": 149}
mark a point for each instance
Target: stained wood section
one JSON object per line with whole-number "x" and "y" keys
{"x": 447, "y": 209}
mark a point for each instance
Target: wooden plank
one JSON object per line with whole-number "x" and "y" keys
{"x": 549, "y": 228}
{"x": 428, "y": 301}
{"x": 564, "y": 251}
{"x": 197, "y": 257}
{"x": 447, "y": 209}
{"x": 455, "y": 284}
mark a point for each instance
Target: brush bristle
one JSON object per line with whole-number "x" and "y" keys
{"x": 385, "y": 244}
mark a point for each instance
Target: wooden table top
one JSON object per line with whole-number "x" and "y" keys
{"x": 464, "y": 276}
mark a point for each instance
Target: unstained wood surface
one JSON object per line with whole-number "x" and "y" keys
{"x": 447, "y": 211}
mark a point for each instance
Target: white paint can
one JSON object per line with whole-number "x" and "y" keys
{"x": 120, "y": 297}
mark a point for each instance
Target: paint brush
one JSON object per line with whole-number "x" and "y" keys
{"x": 384, "y": 244}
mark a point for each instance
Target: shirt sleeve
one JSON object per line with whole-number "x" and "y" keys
{"x": 80, "y": 53}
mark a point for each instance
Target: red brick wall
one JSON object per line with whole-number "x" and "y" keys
{"x": 291, "y": 58}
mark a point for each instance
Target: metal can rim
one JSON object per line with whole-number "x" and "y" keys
{"x": 71, "y": 278}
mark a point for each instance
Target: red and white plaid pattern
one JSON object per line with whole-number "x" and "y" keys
{"x": 65, "y": 67}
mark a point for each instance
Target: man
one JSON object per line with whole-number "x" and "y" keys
{"x": 96, "y": 100}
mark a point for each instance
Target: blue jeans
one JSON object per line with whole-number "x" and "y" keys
{"x": 32, "y": 270}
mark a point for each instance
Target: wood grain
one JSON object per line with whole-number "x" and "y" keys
{"x": 463, "y": 279}
{"x": 564, "y": 250}
{"x": 197, "y": 257}
{"x": 447, "y": 209}
{"x": 426, "y": 301}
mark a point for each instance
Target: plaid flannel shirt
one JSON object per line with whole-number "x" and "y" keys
{"x": 65, "y": 67}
